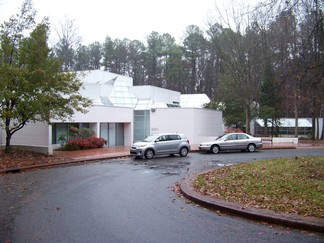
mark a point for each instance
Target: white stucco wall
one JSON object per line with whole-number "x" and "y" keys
{"x": 33, "y": 137}
{"x": 197, "y": 124}
{"x": 32, "y": 134}
{"x": 99, "y": 113}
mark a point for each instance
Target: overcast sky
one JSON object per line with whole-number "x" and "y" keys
{"x": 132, "y": 19}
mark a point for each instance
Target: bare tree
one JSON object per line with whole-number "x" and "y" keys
{"x": 69, "y": 41}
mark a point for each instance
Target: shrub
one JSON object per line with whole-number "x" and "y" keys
{"x": 71, "y": 147}
{"x": 86, "y": 133}
{"x": 88, "y": 143}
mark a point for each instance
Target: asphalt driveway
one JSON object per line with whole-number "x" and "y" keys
{"x": 127, "y": 200}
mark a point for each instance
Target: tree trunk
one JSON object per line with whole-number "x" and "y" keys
{"x": 265, "y": 129}
{"x": 313, "y": 127}
{"x": 317, "y": 128}
{"x": 8, "y": 139}
{"x": 322, "y": 136}
{"x": 247, "y": 118}
{"x": 8, "y": 135}
{"x": 313, "y": 135}
{"x": 296, "y": 112}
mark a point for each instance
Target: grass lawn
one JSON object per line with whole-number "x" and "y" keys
{"x": 289, "y": 185}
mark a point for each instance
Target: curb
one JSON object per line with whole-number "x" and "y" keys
{"x": 309, "y": 223}
{"x": 67, "y": 162}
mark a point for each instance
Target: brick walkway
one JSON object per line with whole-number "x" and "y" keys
{"x": 94, "y": 153}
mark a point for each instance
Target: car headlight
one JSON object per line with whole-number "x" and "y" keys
{"x": 141, "y": 146}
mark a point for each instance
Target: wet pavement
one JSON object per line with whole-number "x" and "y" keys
{"x": 189, "y": 192}
{"x": 130, "y": 200}
{"x": 123, "y": 152}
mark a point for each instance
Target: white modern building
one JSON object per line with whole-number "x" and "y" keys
{"x": 123, "y": 113}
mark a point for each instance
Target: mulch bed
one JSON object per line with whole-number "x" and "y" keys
{"x": 16, "y": 159}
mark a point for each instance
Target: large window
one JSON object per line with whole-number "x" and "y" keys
{"x": 63, "y": 131}
{"x": 141, "y": 124}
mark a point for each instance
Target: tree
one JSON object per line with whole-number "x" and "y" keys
{"x": 194, "y": 50}
{"x": 115, "y": 56}
{"x": 32, "y": 88}
{"x": 135, "y": 59}
{"x": 94, "y": 55}
{"x": 312, "y": 58}
{"x": 82, "y": 58}
{"x": 152, "y": 59}
{"x": 67, "y": 45}
{"x": 270, "y": 100}
{"x": 175, "y": 69}
{"x": 213, "y": 62}
{"x": 239, "y": 82}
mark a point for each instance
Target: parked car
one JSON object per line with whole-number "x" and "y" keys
{"x": 232, "y": 141}
{"x": 161, "y": 144}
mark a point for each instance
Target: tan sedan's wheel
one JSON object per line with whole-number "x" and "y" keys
{"x": 251, "y": 147}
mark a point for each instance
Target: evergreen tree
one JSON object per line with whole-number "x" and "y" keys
{"x": 32, "y": 88}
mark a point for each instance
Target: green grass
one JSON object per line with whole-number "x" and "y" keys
{"x": 293, "y": 185}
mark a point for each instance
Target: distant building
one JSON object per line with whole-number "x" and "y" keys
{"x": 123, "y": 113}
{"x": 286, "y": 127}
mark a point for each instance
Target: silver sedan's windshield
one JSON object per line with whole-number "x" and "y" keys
{"x": 221, "y": 138}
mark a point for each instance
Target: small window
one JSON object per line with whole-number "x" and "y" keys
{"x": 242, "y": 136}
{"x": 231, "y": 137}
{"x": 174, "y": 137}
{"x": 162, "y": 138}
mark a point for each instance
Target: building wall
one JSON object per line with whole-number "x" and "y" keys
{"x": 103, "y": 114}
{"x": 34, "y": 136}
{"x": 197, "y": 124}
{"x": 38, "y": 136}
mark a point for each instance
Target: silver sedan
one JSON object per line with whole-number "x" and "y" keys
{"x": 232, "y": 141}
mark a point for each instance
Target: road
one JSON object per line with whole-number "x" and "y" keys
{"x": 128, "y": 200}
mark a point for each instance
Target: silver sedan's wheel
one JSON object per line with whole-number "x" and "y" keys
{"x": 251, "y": 147}
{"x": 183, "y": 151}
{"x": 214, "y": 149}
{"x": 149, "y": 154}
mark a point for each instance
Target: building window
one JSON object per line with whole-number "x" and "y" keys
{"x": 141, "y": 124}
{"x": 64, "y": 131}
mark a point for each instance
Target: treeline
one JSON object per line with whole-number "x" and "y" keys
{"x": 269, "y": 65}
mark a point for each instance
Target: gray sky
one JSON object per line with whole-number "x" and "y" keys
{"x": 132, "y": 19}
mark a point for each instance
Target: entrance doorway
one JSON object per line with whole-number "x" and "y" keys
{"x": 113, "y": 133}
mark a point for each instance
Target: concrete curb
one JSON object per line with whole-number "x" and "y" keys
{"x": 67, "y": 162}
{"x": 305, "y": 223}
